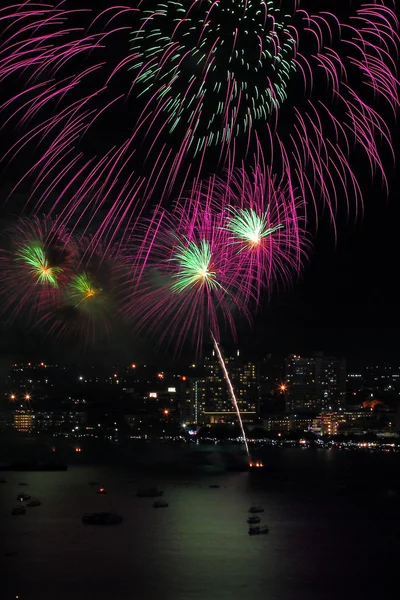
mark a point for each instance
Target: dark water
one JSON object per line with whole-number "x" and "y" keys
{"x": 333, "y": 517}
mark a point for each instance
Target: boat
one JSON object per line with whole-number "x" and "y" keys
{"x": 3, "y": 481}
{"x": 150, "y": 493}
{"x": 94, "y": 482}
{"x": 34, "y": 503}
{"x": 101, "y": 491}
{"x": 22, "y": 483}
{"x": 18, "y": 510}
{"x": 253, "y": 520}
{"x": 102, "y": 519}
{"x": 23, "y": 497}
{"x": 214, "y": 485}
{"x": 160, "y": 504}
{"x": 256, "y": 509}
{"x": 258, "y": 530}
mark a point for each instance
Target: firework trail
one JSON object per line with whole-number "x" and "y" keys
{"x": 199, "y": 81}
{"x": 36, "y": 262}
{"x": 231, "y": 390}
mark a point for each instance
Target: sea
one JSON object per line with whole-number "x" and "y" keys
{"x": 333, "y": 517}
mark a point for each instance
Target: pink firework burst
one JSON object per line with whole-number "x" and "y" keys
{"x": 185, "y": 276}
{"x": 206, "y": 261}
{"x": 264, "y": 223}
{"x": 195, "y": 83}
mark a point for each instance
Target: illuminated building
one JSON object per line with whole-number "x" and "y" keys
{"x": 345, "y": 422}
{"x": 286, "y": 423}
{"x": 23, "y": 420}
{"x": 382, "y": 378}
{"x": 60, "y": 420}
{"x": 210, "y": 397}
{"x": 314, "y": 383}
{"x": 187, "y": 406}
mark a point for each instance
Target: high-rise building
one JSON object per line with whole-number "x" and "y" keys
{"x": 314, "y": 383}
{"x": 23, "y": 420}
{"x": 212, "y": 402}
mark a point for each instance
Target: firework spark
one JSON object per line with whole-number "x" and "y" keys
{"x": 187, "y": 286}
{"x": 92, "y": 300}
{"x": 36, "y": 262}
{"x": 194, "y": 265}
{"x": 248, "y": 227}
{"x": 34, "y": 256}
{"x": 209, "y": 80}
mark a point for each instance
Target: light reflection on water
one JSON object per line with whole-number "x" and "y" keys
{"x": 324, "y": 532}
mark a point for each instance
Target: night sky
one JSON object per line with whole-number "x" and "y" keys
{"x": 345, "y": 302}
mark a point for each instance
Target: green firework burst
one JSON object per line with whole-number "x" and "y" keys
{"x": 83, "y": 289}
{"x": 249, "y": 227}
{"x": 214, "y": 67}
{"x": 34, "y": 256}
{"x": 194, "y": 263}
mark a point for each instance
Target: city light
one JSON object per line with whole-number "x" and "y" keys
{"x": 27, "y": 397}
{"x": 166, "y": 411}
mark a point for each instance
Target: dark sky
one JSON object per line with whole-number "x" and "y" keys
{"x": 347, "y": 300}
{"x": 345, "y": 303}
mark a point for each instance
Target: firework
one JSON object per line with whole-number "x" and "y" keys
{"x": 188, "y": 285}
{"x": 265, "y": 224}
{"x": 36, "y": 263}
{"x": 208, "y": 259}
{"x": 91, "y": 304}
{"x": 200, "y": 79}
{"x": 35, "y": 258}
{"x": 221, "y": 71}
{"x": 214, "y": 67}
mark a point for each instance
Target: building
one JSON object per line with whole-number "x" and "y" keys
{"x": 356, "y": 421}
{"x": 314, "y": 383}
{"x": 382, "y": 378}
{"x": 23, "y": 420}
{"x": 212, "y": 401}
{"x": 58, "y": 420}
{"x": 286, "y": 423}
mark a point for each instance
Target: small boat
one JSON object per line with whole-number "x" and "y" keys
{"x": 258, "y": 530}
{"x": 102, "y": 519}
{"x": 3, "y": 481}
{"x": 23, "y": 497}
{"x": 94, "y": 482}
{"x": 101, "y": 491}
{"x": 18, "y": 510}
{"x": 214, "y": 485}
{"x": 14, "y": 553}
{"x": 34, "y": 503}
{"x": 22, "y": 483}
{"x": 253, "y": 520}
{"x": 150, "y": 493}
{"x": 160, "y": 504}
{"x": 256, "y": 509}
